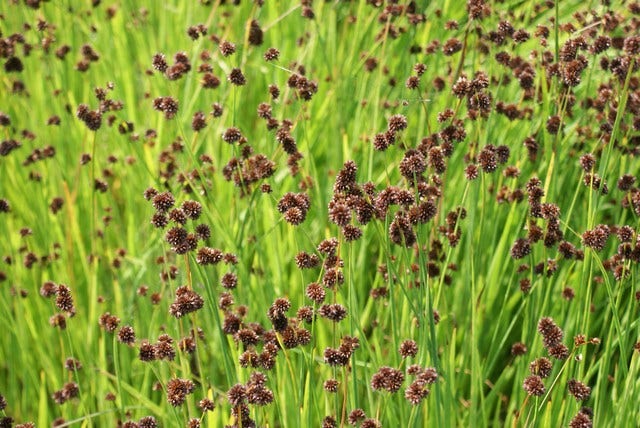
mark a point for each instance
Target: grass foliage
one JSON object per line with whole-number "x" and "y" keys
{"x": 492, "y": 145}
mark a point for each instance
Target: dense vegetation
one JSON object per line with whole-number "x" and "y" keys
{"x": 281, "y": 214}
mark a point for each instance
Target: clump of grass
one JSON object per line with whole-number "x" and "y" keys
{"x": 324, "y": 214}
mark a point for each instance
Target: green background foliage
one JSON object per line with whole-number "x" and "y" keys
{"x": 103, "y": 246}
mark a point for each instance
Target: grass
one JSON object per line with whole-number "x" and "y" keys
{"x": 506, "y": 160}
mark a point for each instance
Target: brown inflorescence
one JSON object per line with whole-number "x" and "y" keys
{"x": 178, "y": 389}
{"x": 510, "y": 99}
{"x": 533, "y": 385}
{"x": 186, "y": 301}
{"x": 578, "y": 390}
{"x": 387, "y": 378}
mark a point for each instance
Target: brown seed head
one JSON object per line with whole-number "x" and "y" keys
{"x": 355, "y": 416}
{"x": 533, "y": 385}
{"x": 581, "y": 420}
{"x": 334, "y": 312}
{"x": 579, "y": 390}
{"x": 127, "y": 335}
{"x": 178, "y": 389}
{"x": 518, "y": 349}
{"x": 408, "y": 348}
{"x": 520, "y": 249}
{"x": 109, "y": 322}
{"x": 541, "y": 366}
{"x": 387, "y": 378}
{"x": 236, "y": 77}
{"x": 227, "y": 48}
{"x": 271, "y": 54}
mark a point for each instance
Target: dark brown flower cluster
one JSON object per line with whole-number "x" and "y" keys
{"x": 331, "y": 385}
{"x": 271, "y": 54}
{"x": 147, "y": 422}
{"x": 109, "y": 322}
{"x": 186, "y": 301}
{"x": 535, "y": 192}
{"x": 413, "y": 165}
{"x": 248, "y": 169}
{"x": 178, "y": 389}
{"x": 578, "y": 390}
{"x": 254, "y": 392}
{"x": 168, "y": 105}
{"x": 350, "y": 202}
{"x": 277, "y": 313}
{"x": 64, "y": 302}
{"x": 491, "y": 156}
{"x": 286, "y": 332}
{"x": 401, "y": 229}
{"x": 334, "y": 312}
{"x": 195, "y": 31}
{"x": 597, "y": 237}
{"x": 91, "y": 118}
{"x": 418, "y": 389}
{"x": 89, "y": 55}
{"x": 294, "y": 207}
{"x": 315, "y": 292}
{"x": 56, "y": 205}
{"x": 452, "y": 230}
{"x": 287, "y": 141}
{"x": 518, "y": 349}
{"x": 305, "y": 88}
{"x": 356, "y": 416}
{"x": 584, "y": 419}
{"x": 571, "y": 70}
{"x": 58, "y": 320}
{"x": 181, "y": 65}
{"x": 227, "y": 48}
{"x": 211, "y": 81}
{"x": 408, "y": 348}
{"x": 418, "y": 203}
{"x": 593, "y": 180}
{"x": 127, "y": 335}
{"x": 387, "y": 378}
{"x": 550, "y": 232}
{"x": 39, "y": 154}
{"x": 209, "y": 256}
{"x": 69, "y": 391}
{"x": 72, "y": 364}
{"x": 478, "y": 9}
{"x": 395, "y": 124}
{"x": 552, "y": 336}
{"x": 305, "y": 260}
{"x": 163, "y": 349}
{"x": 521, "y": 248}
{"x": 206, "y": 405}
{"x": 7, "y": 146}
{"x": 341, "y": 355}
{"x": 232, "y": 135}
{"x": 333, "y": 276}
{"x": 236, "y": 77}
{"x": 199, "y": 121}
{"x": 474, "y": 91}
{"x": 182, "y": 240}
{"x": 541, "y": 367}
{"x": 628, "y": 250}
{"x": 257, "y": 393}
{"x": 533, "y": 385}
